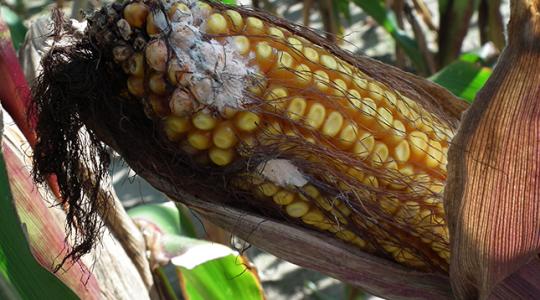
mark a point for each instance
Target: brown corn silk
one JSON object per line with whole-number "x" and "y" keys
{"x": 492, "y": 190}
{"x": 366, "y": 155}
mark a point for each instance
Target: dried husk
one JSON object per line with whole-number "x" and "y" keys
{"x": 492, "y": 193}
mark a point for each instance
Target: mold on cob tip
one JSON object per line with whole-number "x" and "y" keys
{"x": 265, "y": 109}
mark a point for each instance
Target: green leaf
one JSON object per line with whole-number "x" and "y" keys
{"x": 167, "y": 217}
{"x": 212, "y": 271}
{"x": 15, "y": 24}
{"x": 17, "y": 264}
{"x": 230, "y": 2}
{"x": 463, "y": 77}
{"x": 387, "y": 19}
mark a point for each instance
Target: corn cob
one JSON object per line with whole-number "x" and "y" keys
{"x": 335, "y": 149}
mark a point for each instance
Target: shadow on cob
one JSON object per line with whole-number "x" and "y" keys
{"x": 248, "y": 112}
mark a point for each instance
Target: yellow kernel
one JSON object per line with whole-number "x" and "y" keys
{"x": 221, "y": 157}
{"x": 384, "y": 118}
{"x": 204, "y": 121}
{"x": 135, "y": 14}
{"x": 322, "y": 81}
{"x": 310, "y": 191}
{"x": 419, "y": 143}
{"x": 376, "y": 92}
{"x": 328, "y": 62}
{"x": 297, "y": 108}
{"x": 360, "y": 242}
{"x": 390, "y": 99}
{"x": 284, "y": 64}
{"x": 346, "y": 235}
{"x": 379, "y": 154}
{"x": 361, "y": 82}
{"x": 182, "y": 10}
{"x": 268, "y": 189}
{"x": 340, "y": 87}
{"x": 434, "y": 154}
{"x": 303, "y": 75}
{"x": 216, "y": 24}
{"x": 254, "y": 26}
{"x": 402, "y": 151}
{"x": 283, "y": 197}
{"x": 345, "y": 71}
{"x": 333, "y": 124}
{"x": 277, "y": 96}
{"x": 314, "y": 216}
{"x": 297, "y": 209}
{"x": 348, "y": 135}
{"x": 398, "y": 132}
{"x": 295, "y": 44}
{"x": 200, "y": 140}
{"x": 355, "y": 99}
{"x": 371, "y": 181}
{"x": 368, "y": 111}
{"x": 364, "y": 145}
{"x": 311, "y": 54}
{"x": 235, "y": 19}
{"x": 316, "y": 115}
{"x": 224, "y": 136}
{"x": 264, "y": 54}
{"x": 246, "y": 121}
{"x": 241, "y": 43}
{"x": 275, "y": 33}
{"x": 175, "y": 126}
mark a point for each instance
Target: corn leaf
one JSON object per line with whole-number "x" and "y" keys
{"x": 167, "y": 218}
{"x": 16, "y": 26}
{"x": 211, "y": 271}
{"x": 464, "y": 77}
{"x": 387, "y": 19}
{"x": 17, "y": 264}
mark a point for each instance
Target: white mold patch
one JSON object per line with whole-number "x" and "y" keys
{"x": 282, "y": 172}
{"x": 219, "y": 73}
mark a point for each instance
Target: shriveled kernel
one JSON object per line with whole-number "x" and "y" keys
{"x": 204, "y": 121}
{"x": 268, "y": 189}
{"x": 200, "y": 140}
{"x": 379, "y": 155}
{"x": 402, "y": 151}
{"x": 135, "y": 13}
{"x": 246, "y": 121}
{"x": 216, "y": 24}
{"x": 224, "y": 136}
{"x": 221, "y": 157}
{"x": 241, "y": 44}
{"x": 434, "y": 154}
{"x": 181, "y": 102}
{"x": 303, "y": 75}
{"x": 316, "y": 115}
{"x": 254, "y": 26}
{"x": 283, "y": 197}
{"x": 297, "y": 209}
{"x": 235, "y": 20}
{"x": 296, "y": 108}
{"x": 348, "y": 135}
{"x": 136, "y": 64}
{"x": 311, "y": 54}
{"x": 151, "y": 27}
{"x": 175, "y": 126}
{"x": 157, "y": 84}
{"x": 136, "y": 86}
{"x": 322, "y": 81}
{"x": 157, "y": 55}
{"x": 178, "y": 8}
{"x": 419, "y": 143}
{"x": 364, "y": 144}
{"x": 333, "y": 124}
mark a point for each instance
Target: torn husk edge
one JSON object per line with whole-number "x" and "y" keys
{"x": 492, "y": 193}
{"x": 124, "y": 127}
